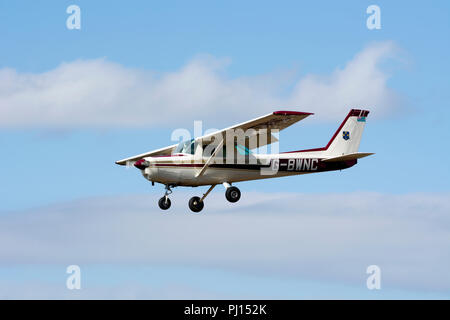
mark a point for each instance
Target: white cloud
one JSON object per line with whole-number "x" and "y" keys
{"x": 43, "y": 290}
{"x": 102, "y": 93}
{"x": 330, "y": 237}
{"x": 360, "y": 84}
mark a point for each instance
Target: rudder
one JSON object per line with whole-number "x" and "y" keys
{"x": 348, "y": 136}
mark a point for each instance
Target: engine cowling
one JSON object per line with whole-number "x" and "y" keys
{"x": 142, "y": 164}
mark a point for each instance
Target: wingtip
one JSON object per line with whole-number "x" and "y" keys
{"x": 292, "y": 113}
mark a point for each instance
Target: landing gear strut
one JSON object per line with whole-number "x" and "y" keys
{"x": 164, "y": 203}
{"x": 196, "y": 204}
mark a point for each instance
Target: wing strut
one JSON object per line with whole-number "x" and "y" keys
{"x": 209, "y": 159}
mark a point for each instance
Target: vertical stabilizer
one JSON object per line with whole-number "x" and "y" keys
{"x": 348, "y": 137}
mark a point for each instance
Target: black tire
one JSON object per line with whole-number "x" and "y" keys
{"x": 164, "y": 203}
{"x": 195, "y": 204}
{"x": 233, "y": 194}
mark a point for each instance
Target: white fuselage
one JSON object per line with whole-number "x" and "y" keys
{"x": 183, "y": 169}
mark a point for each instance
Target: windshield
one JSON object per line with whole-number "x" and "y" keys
{"x": 186, "y": 147}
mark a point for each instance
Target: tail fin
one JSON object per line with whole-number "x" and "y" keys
{"x": 348, "y": 136}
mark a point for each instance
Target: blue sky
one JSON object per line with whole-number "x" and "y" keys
{"x": 59, "y": 142}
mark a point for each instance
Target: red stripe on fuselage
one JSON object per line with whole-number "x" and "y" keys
{"x": 284, "y": 165}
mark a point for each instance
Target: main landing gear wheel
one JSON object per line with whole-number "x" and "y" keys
{"x": 196, "y": 204}
{"x": 164, "y": 203}
{"x": 233, "y": 194}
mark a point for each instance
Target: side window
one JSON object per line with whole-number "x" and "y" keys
{"x": 222, "y": 153}
{"x": 243, "y": 150}
{"x": 189, "y": 147}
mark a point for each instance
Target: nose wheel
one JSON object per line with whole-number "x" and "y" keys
{"x": 164, "y": 203}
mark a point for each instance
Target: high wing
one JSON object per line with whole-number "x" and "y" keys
{"x": 277, "y": 120}
{"x": 158, "y": 152}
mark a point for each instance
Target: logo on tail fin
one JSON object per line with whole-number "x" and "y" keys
{"x": 346, "y": 135}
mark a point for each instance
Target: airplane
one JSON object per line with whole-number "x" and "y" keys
{"x": 230, "y": 155}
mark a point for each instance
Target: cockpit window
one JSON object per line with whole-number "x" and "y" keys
{"x": 186, "y": 147}
{"x": 243, "y": 150}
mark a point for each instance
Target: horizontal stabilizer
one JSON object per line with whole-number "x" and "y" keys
{"x": 350, "y": 156}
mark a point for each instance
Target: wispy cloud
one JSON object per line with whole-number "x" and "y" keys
{"x": 103, "y": 93}
{"x": 331, "y": 237}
